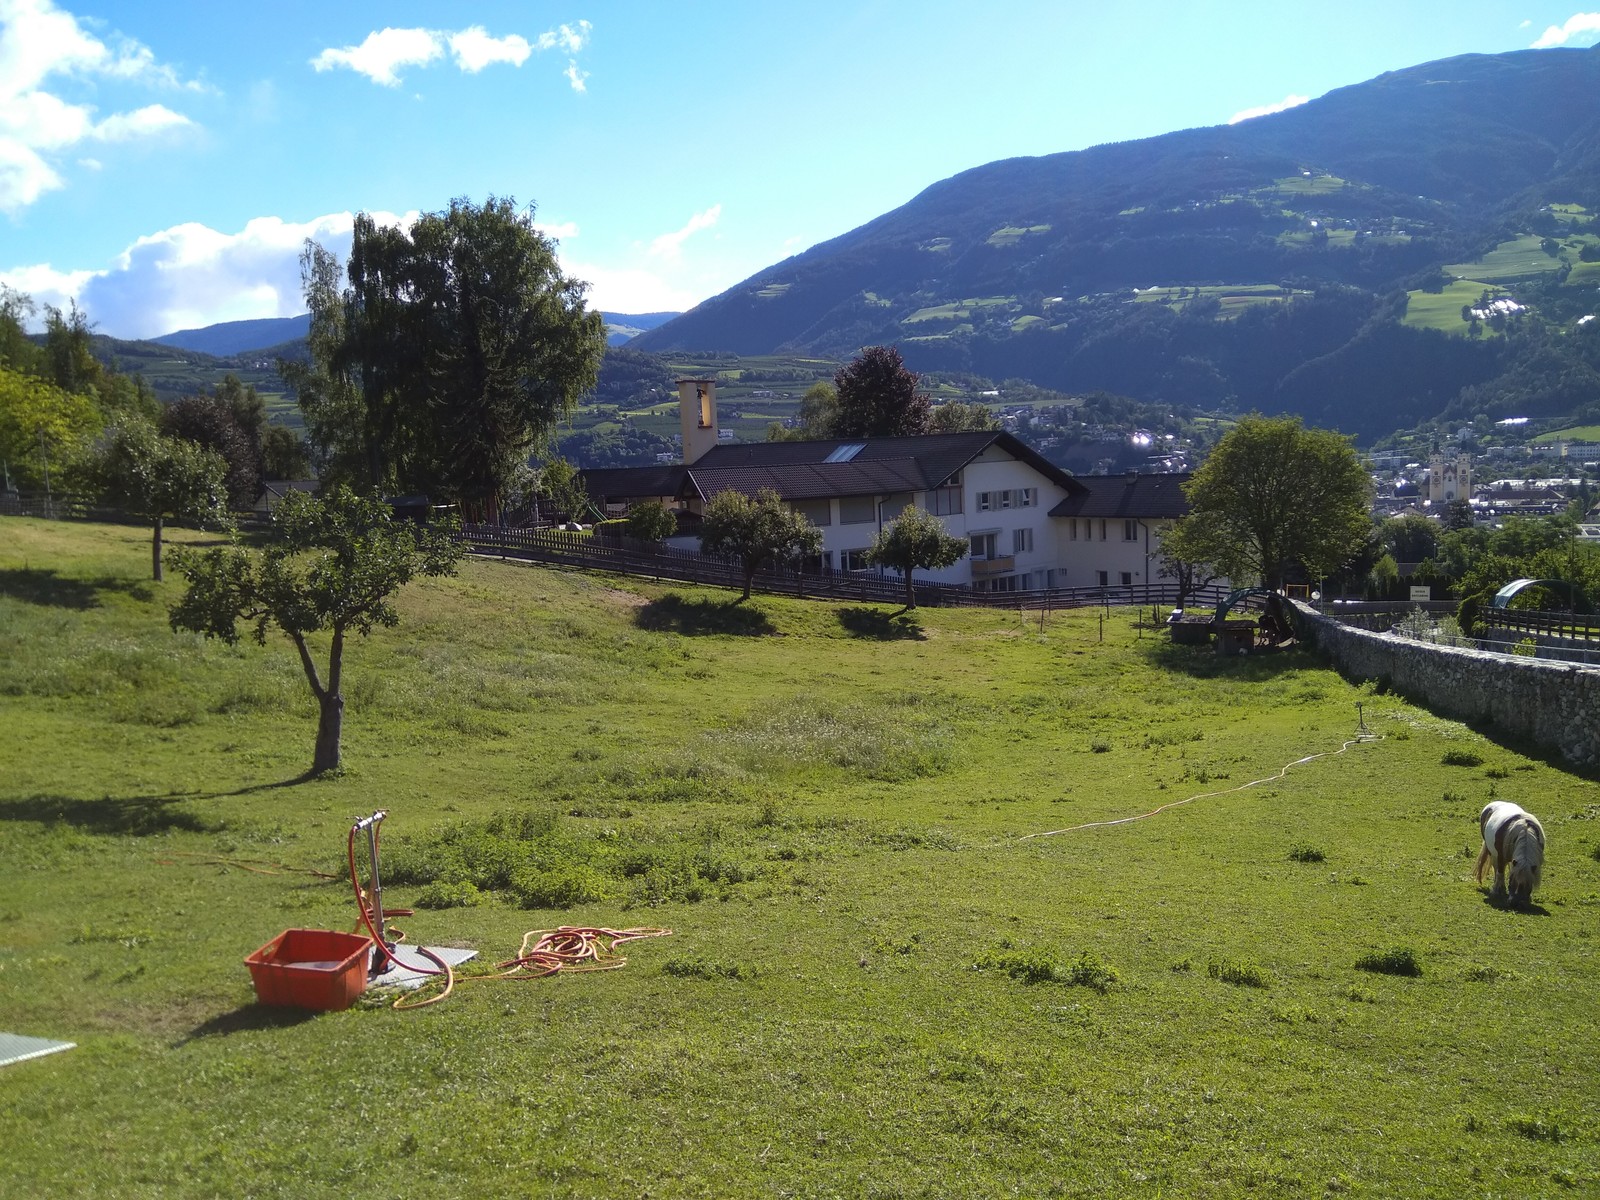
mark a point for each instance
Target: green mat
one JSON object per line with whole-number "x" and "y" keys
{"x": 15, "y": 1048}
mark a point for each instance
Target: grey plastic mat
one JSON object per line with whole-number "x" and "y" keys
{"x": 15, "y": 1048}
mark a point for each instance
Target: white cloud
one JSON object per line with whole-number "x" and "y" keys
{"x": 576, "y": 77}
{"x": 1581, "y": 26}
{"x": 1288, "y": 102}
{"x": 386, "y": 52}
{"x": 630, "y": 290}
{"x": 383, "y": 53}
{"x": 670, "y": 245}
{"x": 153, "y": 118}
{"x": 191, "y": 275}
{"x": 474, "y": 49}
{"x": 38, "y": 41}
{"x": 570, "y": 38}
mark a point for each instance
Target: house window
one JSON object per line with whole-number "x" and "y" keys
{"x": 854, "y": 560}
{"x": 1127, "y": 579}
{"x": 1021, "y": 541}
{"x": 1130, "y": 531}
{"x": 1102, "y": 529}
{"x": 1006, "y": 498}
{"x": 893, "y": 506}
{"x": 818, "y": 512}
{"x": 1102, "y": 578}
{"x": 1074, "y": 528}
{"x": 857, "y": 510}
{"x": 946, "y": 500}
{"x": 1027, "y": 497}
{"x": 983, "y": 546}
{"x": 985, "y": 501}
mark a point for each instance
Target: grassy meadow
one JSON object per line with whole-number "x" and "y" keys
{"x": 882, "y": 980}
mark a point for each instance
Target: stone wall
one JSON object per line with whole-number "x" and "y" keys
{"x": 1554, "y": 704}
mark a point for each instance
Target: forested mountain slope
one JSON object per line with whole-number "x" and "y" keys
{"x": 1334, "y": 260}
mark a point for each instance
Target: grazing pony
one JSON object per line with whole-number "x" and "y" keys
{"x": 1515, "y": 839}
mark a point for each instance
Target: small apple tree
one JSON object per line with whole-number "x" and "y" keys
{"x": 332, "y": 566}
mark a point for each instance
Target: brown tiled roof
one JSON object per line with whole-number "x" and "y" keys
{"x": 633, "y": 483}
{"x": 812, "y": 481}
{"x": 1153, "y": 497}
{"x": 800, "y": 470}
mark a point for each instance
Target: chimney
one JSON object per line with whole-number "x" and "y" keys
{"x": 697, "y": 412}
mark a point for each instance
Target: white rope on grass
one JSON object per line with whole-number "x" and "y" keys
{"x": 1282, "y": 773}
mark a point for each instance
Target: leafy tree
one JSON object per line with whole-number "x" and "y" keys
{"x": 332, "y": 567}
{"x": 1273, "y": 494}
{"x": 651, "y": 521}
{"x": 915, "y": 540}
{"x": 1185, "y": 549}
{"x": 128, "y": 397}
{"x": 42, "y": 429}
{"x": 1410, "y": 538}
{"x": 283, "y": 454}
{"x": 817, "y": 417}
{"x": 215, "y": 423}
{"x": 819, "y": 411}
{"x": 1457, "y": 515}
{"x": 561, "y": 484}
{"x": 338, "y": 423}
{"x": 756, "y": 532}
{"x": 957, "y": 416}
{"x": 17, "y": 350}
{"x": 160, "y": 479}
{"x": 448, "y": 356}
{"x": 879, "y": 397}
{"x": 69, "y": 360}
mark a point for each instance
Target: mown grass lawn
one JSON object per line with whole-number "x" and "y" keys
{"x": 877, "y": 984}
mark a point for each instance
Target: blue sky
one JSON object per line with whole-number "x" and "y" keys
{"x": 161, "y": 162}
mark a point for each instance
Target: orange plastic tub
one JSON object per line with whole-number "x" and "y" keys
{"x": 319, "y": 969}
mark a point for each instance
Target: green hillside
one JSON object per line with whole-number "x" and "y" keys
{"x": 1304, "y": 227}
{"x": 904, "y": 959}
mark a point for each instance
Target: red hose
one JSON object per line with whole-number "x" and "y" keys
{"x": 569, "y": 948}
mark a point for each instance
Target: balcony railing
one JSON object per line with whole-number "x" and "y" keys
{"x": 982, "y": 568}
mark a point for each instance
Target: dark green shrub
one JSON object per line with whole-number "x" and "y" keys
{"x": 1304, "y": 852}
{"x": 651, "y": 522}
{"x": 699, "y": 967}
{"x": 1542, "y": 1127}
{"x": 1396, "y": 960}
{"x": 449, "y": 895}
{"x": 1240, "y": 974}
{"x": 1461, "y": 758}
{"x": 1035, "y": 966}
{"x": 560, "y": 887}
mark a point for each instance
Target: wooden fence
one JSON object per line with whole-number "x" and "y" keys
{"x": 627, "y": 557}
{"x": 623, "y": 556}
{"x": 1550, "y": 624}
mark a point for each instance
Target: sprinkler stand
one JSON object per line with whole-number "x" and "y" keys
{"x": 380, "y": 960}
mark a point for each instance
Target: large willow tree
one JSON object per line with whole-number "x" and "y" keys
{"x": 447, "y": 353}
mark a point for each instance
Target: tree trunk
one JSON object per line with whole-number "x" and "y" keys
{"x": 155, "y": 551}
{"x": 330, "y": 721}
{"x": 749, "y": 578}
{"x": 911, "y": 591}
{"x": 330, "y": 699}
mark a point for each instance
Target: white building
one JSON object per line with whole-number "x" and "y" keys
{"x": 1029, "y": 524}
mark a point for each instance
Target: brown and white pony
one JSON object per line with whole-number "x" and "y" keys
{"x": 1511, "y": 839}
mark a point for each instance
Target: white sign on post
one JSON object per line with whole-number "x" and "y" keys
{"x": 1421, "y": 592}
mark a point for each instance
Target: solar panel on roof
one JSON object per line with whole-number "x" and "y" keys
{"x": 846, "y": 452}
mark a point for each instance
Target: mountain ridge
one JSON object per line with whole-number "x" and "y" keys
{"x": 1028, "y": 267}
{"x": 228, "y": 339}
